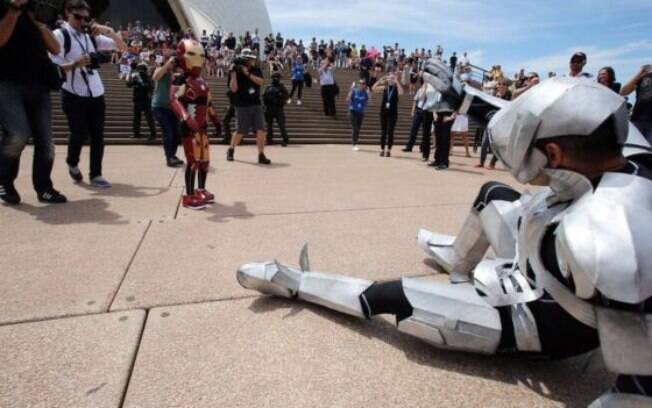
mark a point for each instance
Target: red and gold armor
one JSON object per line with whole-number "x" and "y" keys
{"x": 190, "y": 100}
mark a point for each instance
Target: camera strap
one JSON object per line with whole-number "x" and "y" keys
{"x": 85, "y": 47}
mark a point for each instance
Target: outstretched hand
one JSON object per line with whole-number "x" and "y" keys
{"x": 439, "y": 75}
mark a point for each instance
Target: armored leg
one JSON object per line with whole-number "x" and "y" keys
{"x": 492, "y": 222}
{"x": 444, "y": 315}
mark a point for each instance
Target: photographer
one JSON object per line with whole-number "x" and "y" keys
{"x": 143, "y": 87}
{"x": 328, "y": 87}
{"x": 275, "y": 97}
{"x": 25, "y": 101}
{"x": 81, "y": 41}
{"x": 245, "y": 80}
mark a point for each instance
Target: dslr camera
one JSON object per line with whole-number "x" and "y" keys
{"x": 238, "y": 63}
{"x": 45, "y": 11}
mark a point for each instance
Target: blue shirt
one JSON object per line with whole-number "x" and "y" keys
{"x": 297, "y": 72}
{"x": 359, "y": 100}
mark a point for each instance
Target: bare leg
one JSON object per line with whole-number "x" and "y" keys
{"x": 235, "y": 140}
{"x": 260, "y": 141}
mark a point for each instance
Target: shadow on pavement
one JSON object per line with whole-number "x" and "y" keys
{"x": 89, "y": 211}
{"x": 124, "y": 190}
{"x": 561, "y": 380}
{"x": 222, "y": 212}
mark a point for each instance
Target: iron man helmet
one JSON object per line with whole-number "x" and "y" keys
{"x": 190, "y": 55}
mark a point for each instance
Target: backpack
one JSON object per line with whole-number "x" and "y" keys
{"x": 271, "y": 97}
{"x": 67, "y": 41}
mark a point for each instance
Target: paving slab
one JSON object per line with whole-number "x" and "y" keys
{"x": 75, "y": 362}
{"x": 142, "y": 189}
{"x": 269, "y": 352}
{"x": 322, "y": 178}
{"x": 192, "y": 260}
{"x": 61, "y": 270}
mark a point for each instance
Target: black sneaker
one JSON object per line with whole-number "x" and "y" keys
{"x": 52, "y": 196}
{"x": 9, "y": 194}
{"x": 229, "y": 154}
{"x": 174, "y": 162}
{"x": 441, "y": 167}
{"x": 75, "y": 174}
{"x": 263, "y": 160}
{"x": 406, "y": 149}
{"x": 284, "y": 143}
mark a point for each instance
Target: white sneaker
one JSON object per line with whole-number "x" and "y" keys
{"x": 356, "y": 148}
{"x": 100, "y": 182}
{"x": 289, "y": 101}
{"x": 299, "y": 102}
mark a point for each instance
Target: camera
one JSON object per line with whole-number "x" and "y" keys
{"x": 45, "y": 11}
{"x": 238, "y": 63}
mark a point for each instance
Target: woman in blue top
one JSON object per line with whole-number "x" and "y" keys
{"x": 298, "y": 70}
{"x": 357, "y": 98}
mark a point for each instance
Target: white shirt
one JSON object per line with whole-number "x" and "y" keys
{"x": 81, "y": 44}
{"x": 326, "y": 76}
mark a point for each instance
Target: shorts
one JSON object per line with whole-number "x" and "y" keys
{"x": 249, "y": 118}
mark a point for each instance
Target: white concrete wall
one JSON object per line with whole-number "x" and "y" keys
{"x": 235, "y": 16}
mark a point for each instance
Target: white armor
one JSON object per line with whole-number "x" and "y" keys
{"x": 447, "y": 316}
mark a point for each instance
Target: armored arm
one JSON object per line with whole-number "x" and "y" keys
{"x": 212, "y": 114}
{"x": 177, "y": 90}
{"x": 459, "y": 97}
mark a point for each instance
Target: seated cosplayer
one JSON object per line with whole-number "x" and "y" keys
{"x": 573, "y": 266}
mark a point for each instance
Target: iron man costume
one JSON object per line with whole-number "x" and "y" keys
{"x": 191, "y": 101}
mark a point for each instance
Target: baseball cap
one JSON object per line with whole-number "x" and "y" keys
{"x": 578, "y": 56}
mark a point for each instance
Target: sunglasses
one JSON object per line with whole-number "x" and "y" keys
{"x": 80, "y": 17}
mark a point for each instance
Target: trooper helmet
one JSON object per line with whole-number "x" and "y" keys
{"x": 557, "y": 107}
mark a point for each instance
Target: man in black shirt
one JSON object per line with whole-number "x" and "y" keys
{"x": 143, "y": 87}
{"x": 642, "y": 114}
{"x": 25, "y": 102}
{"x": 245, "y": 80}
{"x": 275, "y": 97}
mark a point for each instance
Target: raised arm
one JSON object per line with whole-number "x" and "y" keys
{"x": 630, "y": 86}
{"x": 160, "y": 72}
{"x": 8, "y": 22}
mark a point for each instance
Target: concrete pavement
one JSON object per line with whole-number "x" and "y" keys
{"x": 123, "y": 298}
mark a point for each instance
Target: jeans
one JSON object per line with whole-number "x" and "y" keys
{"x": 170, "y": 128}
{"x": 279, "y": 115}
{"x": 356, "y": 124}
{"x": 427, "y": 131}
{"x": 296, "y": 84}
{"x": 24, "y": 113}
{"x": 442, "y": 138}
{"x": 387, "y": 124}
{"x": 328, "y": 98}
{"x": 417, "y": 120}
{"x": 86, "y": 120}
{"x": 145, "y": 107}
{"x": 485, "y": 149}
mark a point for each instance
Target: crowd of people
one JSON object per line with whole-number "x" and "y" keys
{"x": 144, "y": 57}
{"x": 568, "y": 278}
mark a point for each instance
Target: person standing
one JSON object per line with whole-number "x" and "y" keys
{"x": 25, "y": 103}
{"x": 143, "y": 88}
{"x": 298, "y": 76}
{"x": 452, "y": 61}
{"x": 275, "y": 97}
{"x": 245, "y": 82}
{"x": 443, "y": 121}
{"x": 391, "y": 89}
{"x": 461, "y": 128}
{"x": 83, "y": 92}
{"x": 327, "y": 82}
{"x": 642, "y": 113}
{"x": 163, "y": 114}
{"x": 357, "y": 98}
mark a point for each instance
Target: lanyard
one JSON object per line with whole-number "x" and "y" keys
{"x": 85, "y": 47}
{"x": 390, "y": 93}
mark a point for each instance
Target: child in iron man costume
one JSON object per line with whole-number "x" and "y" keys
{"x": 191, "y": 101}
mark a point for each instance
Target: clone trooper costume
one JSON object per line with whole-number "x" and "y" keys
{"x": 573, "y": 266}
{"x": 191, "y": 101}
